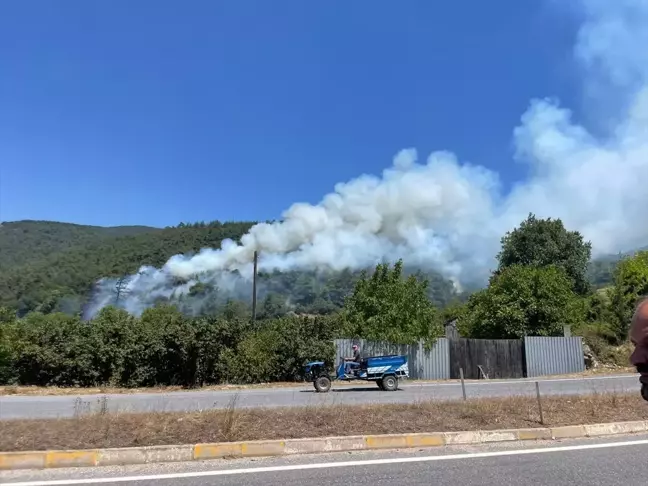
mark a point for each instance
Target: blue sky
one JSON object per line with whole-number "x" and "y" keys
{"x": 156, "y": 112}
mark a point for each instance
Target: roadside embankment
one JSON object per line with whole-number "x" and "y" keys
{"x": 235, "y": 423}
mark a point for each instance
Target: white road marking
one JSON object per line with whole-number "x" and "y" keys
{"x": 329, "y": 465}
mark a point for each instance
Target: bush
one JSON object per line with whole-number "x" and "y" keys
{"x": 280, "y": 348}
{"x": 523, "y": 300}
{"x": 163, "y": 347}
{"x": 7, "y": 369}
{"x": 56, "y": 349}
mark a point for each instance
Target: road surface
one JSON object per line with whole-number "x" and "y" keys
{"x": 603, "y": 462}
{"x": 23, "y": 407}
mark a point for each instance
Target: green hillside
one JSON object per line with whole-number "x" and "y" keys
{"x": 25, "y": 241}
{"x": 69, "y": 268}
{"x": 51, "y": 266}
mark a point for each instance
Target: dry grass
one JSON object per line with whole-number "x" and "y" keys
{"x": 232, "y": 424}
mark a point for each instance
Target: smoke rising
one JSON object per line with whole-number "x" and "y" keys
{"x": 441, "y": 214}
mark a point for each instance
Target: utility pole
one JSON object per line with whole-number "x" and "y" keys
{"x": 254, "y": 286}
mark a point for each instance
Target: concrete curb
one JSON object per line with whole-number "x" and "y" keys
{"x": 264, "y": 448}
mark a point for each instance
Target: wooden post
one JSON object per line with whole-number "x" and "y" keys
{"x": 463, "y": 384}
{"x": 539, "y": 402}
{"x": 254, "y": 286}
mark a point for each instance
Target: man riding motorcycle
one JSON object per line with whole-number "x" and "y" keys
{"x": 639, "y": 337}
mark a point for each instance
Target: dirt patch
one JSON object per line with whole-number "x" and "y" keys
{"x": 104, "y": 430}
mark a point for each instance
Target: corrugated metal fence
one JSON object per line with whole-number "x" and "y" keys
{"x": 424, "y": 364}
{"x": 553, "y": 355}
{"x": 542, "y": 356}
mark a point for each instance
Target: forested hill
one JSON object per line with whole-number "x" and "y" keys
{"x": 38, "y": 272}
{"x": 25, "y": 241}
{"x": 48, "y": 265}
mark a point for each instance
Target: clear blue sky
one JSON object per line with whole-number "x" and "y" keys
{"x": 155, "y": 112}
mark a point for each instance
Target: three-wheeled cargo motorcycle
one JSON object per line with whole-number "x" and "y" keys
{"x": 385, "y": 371}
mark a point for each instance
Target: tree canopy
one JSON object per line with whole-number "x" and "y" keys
{"x": 542, "y": 242}
{"x": 630, "y": 284}
{"x": 386, "y": 306}
{"x": 524, "y": 300}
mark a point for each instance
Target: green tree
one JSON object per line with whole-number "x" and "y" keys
{"x": 115, "y": 338}
{"x": 215, "y": 337}
{"x": 201, "y": 289}
{"x": 55, "y": 349}
{"x": 167, "y": 345}
{"x": 453, "y": 311}
{"x": 279, "y": 348}
{"x": 630, "y": 283}
{"x": 7, "y": 315}
{"x": 236, "y": 309}
{"x": 524, "y": 300}
{"x": 7, "y": 345}
{"x": 273, "y": 305}
{"x": 542, "y": 242}
{"x": 388, "y": 307}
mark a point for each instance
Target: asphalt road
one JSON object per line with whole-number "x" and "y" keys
{"x": 22, "y": 407}
{"x": 605, "y": 462}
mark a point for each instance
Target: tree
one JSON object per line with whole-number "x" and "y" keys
{"x": 542, "y": 242}
{"x": 121, "y": 288}
{"x": 453, "y": 311}
{"x": 7, "y": 338}
{"x": 201, "y": 289}
{"x": 524, "y": 300}
{"x": 236, "y": 309}
{"x": 49, "y": 303}
{"x": 280, "y": 348}
{"x": 388, "y": 307}
{"x": 7, "y": 315}
{"x": 274, "y": 305}
{"x": 630, "y": 284}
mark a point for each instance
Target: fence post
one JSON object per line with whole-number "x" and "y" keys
{"x": 463, "y": 384}
{"x": 539, "y": 402}
{"x": 420, "y": 359}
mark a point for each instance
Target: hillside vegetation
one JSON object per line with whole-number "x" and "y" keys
{"x": 23, "y": 242}
{"x": 53, "y": 266}
{"x": 67, "y": 270}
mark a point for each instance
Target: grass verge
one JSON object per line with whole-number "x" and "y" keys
{"x": 104, "y": 430}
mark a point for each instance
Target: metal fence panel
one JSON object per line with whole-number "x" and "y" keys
{"x": 553, "y": 355}
{"x": 432, "y": 364}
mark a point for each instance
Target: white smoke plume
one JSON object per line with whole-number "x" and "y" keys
{"x": 448, "y": 216}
